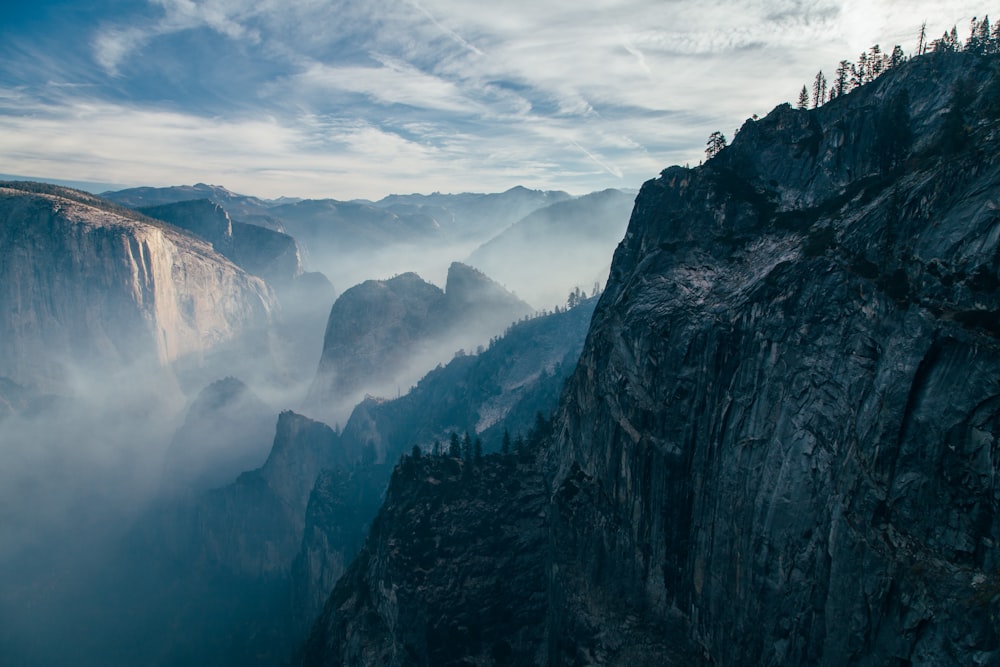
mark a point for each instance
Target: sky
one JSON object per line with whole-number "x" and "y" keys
{"x": 363, "y": 98}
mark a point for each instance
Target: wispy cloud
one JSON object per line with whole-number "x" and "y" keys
{"x": 339, "y": 98}
{"x": 387, "y": 81}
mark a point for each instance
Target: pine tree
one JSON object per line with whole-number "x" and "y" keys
{"x": 972, "y": 44}
{"x": 863, "y": 69}
{"x": 804, "y": 98}
{"x": 985, "y": 42}
{"x": 819, "y": 89}
{"x": 467, "y": 447}
{"x": 505, "y": 443}
{"x": 520, "y": 445}
{"x": 477, "y": 450}
{"x": 897, "y": 58}
{"x": 922, "y": 39}
{"x": 841, "y": 82}
{"x": 716, "y": 142}
{"x": 454, "y": 446}
{"x": 875, "y": 62}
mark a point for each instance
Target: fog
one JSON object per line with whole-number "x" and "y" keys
{"x": 83, "y": 460}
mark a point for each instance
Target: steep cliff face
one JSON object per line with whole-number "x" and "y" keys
{"x": 82, "y": 282}
{"x": 787, "y": 411}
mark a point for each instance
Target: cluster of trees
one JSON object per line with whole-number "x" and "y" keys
{"x": 982, "y": 39}
{"x": 576, "y": 298}
{"x": 874, "y": 62}
{"x": 470, "y": 449}
{"x": 871, "y": 64}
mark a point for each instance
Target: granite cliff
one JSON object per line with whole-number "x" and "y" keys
{"x": 780, "y": 444}
{"x": 83, "y": 281}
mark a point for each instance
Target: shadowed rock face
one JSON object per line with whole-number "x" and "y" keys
{"x": 461, "y": 546}
{"x": 83, "y": 282}
{"x": 787, "y": 410}
{"x": 780, "y": 444}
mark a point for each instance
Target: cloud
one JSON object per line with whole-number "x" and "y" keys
{"x": 390, "y": 82}
{"x": 403, "y": 95}
{"x": 451, "y": 33}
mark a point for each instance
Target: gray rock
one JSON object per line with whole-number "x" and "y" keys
{"x": 788, "y": 393}
{"x": 83, "y": 283}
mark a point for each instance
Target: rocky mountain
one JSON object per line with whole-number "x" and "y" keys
{"x": 560, "y": 247}
{"x": 304, "y": 297}
{"x": 329, "y": 226}
{"x": 85, "y": 282}
{"x": 383, "y": 335}
{"x": 203, "y": 578}
{"x": 352, "y": 241}
{"x": 780, "y": 443}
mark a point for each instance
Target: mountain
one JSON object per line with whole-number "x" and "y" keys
{"x": 384, "y": 334}
{"x": 234, "y": 571}
{"x": 329, "y": 226}
{"x": 198, "y": 578}
{"x": 85, "y": 282}
{"x": 351, "y": 241}
{"x": 779, "y": 444}
{"x": 272, "y": 255}
{"x": 244, "y": 207}
{"x": 560, "y": 247}
{"x": 473, "y": 216}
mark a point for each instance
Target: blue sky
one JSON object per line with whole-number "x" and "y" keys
{"x": 360, "y": 98}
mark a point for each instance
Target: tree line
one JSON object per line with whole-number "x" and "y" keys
{"x": 873, "y": 63}
{"x": 983, "y": 39}
{"x": 470, "y": 449}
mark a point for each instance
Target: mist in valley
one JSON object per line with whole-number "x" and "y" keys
{"x": 104, "y": 446}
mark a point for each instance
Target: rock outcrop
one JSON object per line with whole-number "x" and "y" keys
{"x": 382, "y": 335}
{"x": 85, "y": 282}
{"x": 787, "y": 411}
{"x": 780, "y": 445}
